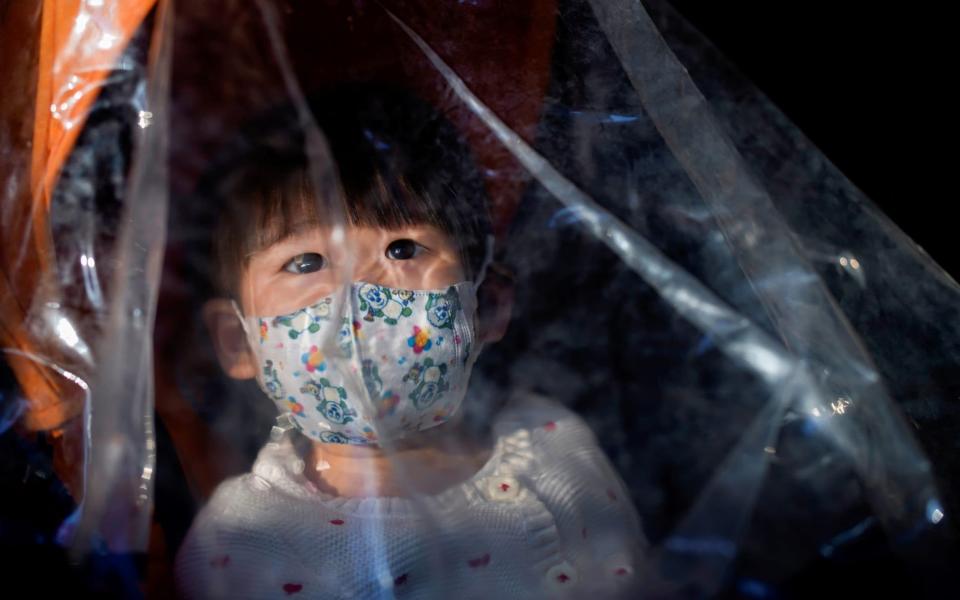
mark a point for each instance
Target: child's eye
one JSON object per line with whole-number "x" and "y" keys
{"x": 305, "y": 263}
{"x": 403, "y": 249}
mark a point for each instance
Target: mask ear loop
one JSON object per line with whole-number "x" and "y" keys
{"x": 239, "y": 313}
{"x": 487, "y": 261}
{"x": 284, "y": 421}
{"x": 489, "y": 243}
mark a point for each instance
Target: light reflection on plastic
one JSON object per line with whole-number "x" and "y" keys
{"x": 87, "y": 261}
{"x": 67, "y": 333}
{"x": 766, "y": 361}
{"x": 605, "y": 117}
{"x": 10, "y": 411}
{"x": 851, "y": 262}
{"x": 144, "y": 496}
{"x": 378, "y": 143}
{"x": 845, "y": 537}
{"x": 106, "y": 41}
{"x": 934, "y": 511}
{"x": 840, "y": 406}
{"x": 567, "y": 215}
{"x": 754, "y": 588}
{"x": 81, "y": 22}
{"x": 144, "y": 118}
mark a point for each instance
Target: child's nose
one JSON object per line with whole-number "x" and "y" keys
{"x": 374, "y": 269}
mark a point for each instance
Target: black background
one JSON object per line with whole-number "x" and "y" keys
{"x": 867, "y": 83}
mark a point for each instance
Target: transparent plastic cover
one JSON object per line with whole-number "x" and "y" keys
{"x": 414, "y": 299}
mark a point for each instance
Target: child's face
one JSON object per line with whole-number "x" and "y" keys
{"x": 314, "y": 262}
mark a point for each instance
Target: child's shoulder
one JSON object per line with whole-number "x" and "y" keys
{"x": 540, "y": 415}
{"x": 239, "y": 495}
{"x": 269, "y": 488}
{"x": 569, "y": 471}
{"x": 251, "y": 520}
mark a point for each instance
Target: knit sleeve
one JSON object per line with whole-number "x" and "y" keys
{"x": 233, "y": 550}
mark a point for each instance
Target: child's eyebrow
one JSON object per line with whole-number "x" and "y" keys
{"x": 277, "y": 238}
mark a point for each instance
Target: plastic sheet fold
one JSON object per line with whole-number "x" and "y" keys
{"x": 538, "y": 300}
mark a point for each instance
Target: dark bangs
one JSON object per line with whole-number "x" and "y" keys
{"x": 397, "y": 161}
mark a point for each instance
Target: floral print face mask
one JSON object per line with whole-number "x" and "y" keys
{"x": 369, "y": 363}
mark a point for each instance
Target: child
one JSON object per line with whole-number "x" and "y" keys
{"x": 364, "y": 333}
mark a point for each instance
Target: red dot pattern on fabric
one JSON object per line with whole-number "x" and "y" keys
{"x": 292, "y": 588}
{"x": 504, "y": 486}
{"x": 549, "y": 425}
{"x": 402, "y": 579}
{"x": 220, "y": 561}
{"x": 611, "y": 494}
{"x": 480, "y": 561}
{"x": 621, "y": 571}
{"x": 336, "y": 521}
{"x": 563, "y": 578}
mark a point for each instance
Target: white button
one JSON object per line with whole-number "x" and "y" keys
{"x": 562, "y": 576}
{"x": 502, "y": 489}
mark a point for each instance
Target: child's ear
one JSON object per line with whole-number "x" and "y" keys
{"x": 495, "y": 304}
{"x": 229, "y": 339}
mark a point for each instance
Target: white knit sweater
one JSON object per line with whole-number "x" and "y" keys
{"x": 545, "y": 517}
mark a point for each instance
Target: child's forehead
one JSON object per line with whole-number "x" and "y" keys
{"x": 347, "y": 233}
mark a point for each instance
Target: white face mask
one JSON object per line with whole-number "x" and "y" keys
{"x": 370, "y": 363}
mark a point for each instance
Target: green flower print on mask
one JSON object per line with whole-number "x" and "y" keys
{"x": 442, "y": 309}
{"x": 430, "y": 380}
{"x": 345, "y": 337}
{"x": 334, "y": 437}
{"x": 380, "y": 303}
{"x": 331, "y": 400}
{"x": 305, "y": 320}
{"x": 386, "y": 401}
{"x": 371, "y": 378}
{"x": 271, "y": 382}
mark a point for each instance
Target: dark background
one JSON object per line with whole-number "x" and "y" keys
{"x": 867, "y": 83}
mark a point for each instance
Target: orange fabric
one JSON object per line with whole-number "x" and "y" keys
{"x": 78, "y": 49}
{"x": 23, "y": 256}
{"x": 78, "y": 45}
